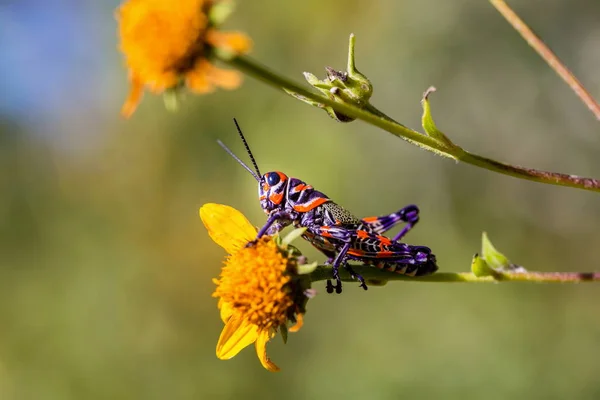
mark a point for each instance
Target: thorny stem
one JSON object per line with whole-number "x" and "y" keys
{"x": 548, "y": 56}
{"x": 375, "y": 117}
{"x": 368, "y": 272}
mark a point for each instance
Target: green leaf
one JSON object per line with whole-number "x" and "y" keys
{"x": 284, "y": 332}
{"x": 293, "y": 251}
{"x": 493, "y": 257}
{"x": 220, "y": 11}
{"x": 480, "y": 268}
{"x": 304, "y": 99}
{"x": 172, "y": 99}
{"x": 293, "y": 235}
{"x": 428, "y": 123}
{"x": 304, "y": 269}
{"x": 312, "y": 79}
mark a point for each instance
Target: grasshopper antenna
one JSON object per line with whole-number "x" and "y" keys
{"x": 256, "y": 174}
{"x": 236, "y": 158}
{"x": 247, "y": 147}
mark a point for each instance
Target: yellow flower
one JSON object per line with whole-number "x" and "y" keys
{"x": 167, "y": 44}
{"x": 259, "y": 289}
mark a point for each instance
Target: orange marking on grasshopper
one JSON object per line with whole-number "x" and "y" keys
{"x": 325, "y": 231}
{"x": 356, "y": 252}
{"x": 362, "y": 234}
{"x": 311, "y": 204}
{"x": 276, "y": 198}
{"x": 370, "y": 219}
{"x": 384, "y": 241}
{"x": 300, "y": 187}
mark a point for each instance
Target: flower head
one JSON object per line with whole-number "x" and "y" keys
{"x": 261, "y": 287}
{"x": 168, "y": 44}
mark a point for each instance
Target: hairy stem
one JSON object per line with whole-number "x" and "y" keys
{"x": 324, "y": 272}
{"x": 375, "y": 117}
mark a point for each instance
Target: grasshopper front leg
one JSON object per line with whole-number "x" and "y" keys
{"x": 335, "y": 265}
{"x": 346, "y": 236}
{"x": 276, "y": 222}
{"x": 340, "y": 259}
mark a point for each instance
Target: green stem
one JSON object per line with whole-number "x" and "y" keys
{"x": 262, "y": 73}
{"x": 370, "y": 273}
{"x": 551, "y": 178}
{"x": 375, "y": 117}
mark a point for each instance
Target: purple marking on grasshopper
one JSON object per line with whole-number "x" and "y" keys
{"x": 333, "y": 230}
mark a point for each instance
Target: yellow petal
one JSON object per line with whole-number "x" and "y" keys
{"x": 261, "y": 349}
{"x": 226, "y": 79}
{"x": 299, "y": 322}
{"x": 226, "y": 311}
{"x": 236, "y": 42}
{"x": 205, "y": 77}
{"x": 197, "y": 79}
{"x": 227, "y": 226}
{"x": 237, "y": 334}
{"x": 134, "y": 97}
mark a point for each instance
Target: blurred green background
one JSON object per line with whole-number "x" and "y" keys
{"x": 105, "y": 267}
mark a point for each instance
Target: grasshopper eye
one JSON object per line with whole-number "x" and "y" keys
{"x": 273, "y": 179}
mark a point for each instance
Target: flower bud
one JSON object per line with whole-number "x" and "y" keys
{"x": 349, "y": 87}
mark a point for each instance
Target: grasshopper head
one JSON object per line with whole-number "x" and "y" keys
{"x": 271, "y": 190}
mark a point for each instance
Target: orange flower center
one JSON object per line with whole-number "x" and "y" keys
{"x": 254, "y": 282}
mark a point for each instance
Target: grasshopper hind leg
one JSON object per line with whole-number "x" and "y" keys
{"x": 381, "y": 224}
